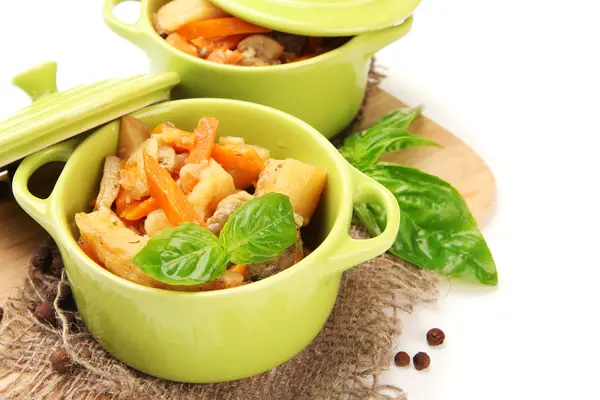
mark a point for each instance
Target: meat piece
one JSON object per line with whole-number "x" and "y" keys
{"x": 224, "y": 210}
{"x": 291, "y": 43}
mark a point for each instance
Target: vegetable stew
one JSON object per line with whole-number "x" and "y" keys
{"x": 186, "y": 211}
{"x": 200, "y": 29}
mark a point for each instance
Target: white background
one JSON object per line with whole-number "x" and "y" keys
{"x": 516, "y": 79}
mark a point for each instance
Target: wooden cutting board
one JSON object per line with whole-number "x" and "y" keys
{"x": 455, "y": 162}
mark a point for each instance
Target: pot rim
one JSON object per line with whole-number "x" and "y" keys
{"x": 64, "y": 235}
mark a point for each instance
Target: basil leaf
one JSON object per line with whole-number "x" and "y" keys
{"x": 399, "y": 119}
{"x": 388, "y": 134}
{"x": 260, "y": 230}
{"x": 185, "y": 255}
{"x": 437, "y": 230}
{"x": 364, "y": 149}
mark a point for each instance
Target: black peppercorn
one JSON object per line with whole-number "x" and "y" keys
{"x": 44, "y": 312}
{"x": 421, "y": 361}
{"x": 61, "y": 362}
{"x": 402, "y": 359}
{"x": 435, "y": 337}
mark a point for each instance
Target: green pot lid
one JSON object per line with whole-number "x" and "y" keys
{"x": 56, "y": 116}
{"x": 321, "y": 17}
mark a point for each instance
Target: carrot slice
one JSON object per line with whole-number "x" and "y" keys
{"x": 206, "y": 132}
{"x": 238, "y": 157}
{"x": 240, "y": 268}
{"x": 140, "y": 209}
{"x": 305, "y": 57}
{"x": 161, "y": 127}
{"x": 165, "y": 190}
{"x": 122, "y": 201}
{"x": 222, "y": 56}
{"x": 179, "y": 139}
{"x": 224, "y": 42}
{"x": 242, "y": 178}
{"x": 180, "y": 43}
{"x": 212, "y": 28}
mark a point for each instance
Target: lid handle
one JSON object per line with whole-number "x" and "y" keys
{"x": 37, "y": 81}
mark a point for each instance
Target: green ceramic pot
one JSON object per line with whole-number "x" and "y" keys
{"x": 221, "y": 335}
{"x": 326, "y": 91}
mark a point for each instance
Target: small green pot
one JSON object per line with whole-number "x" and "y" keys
{"x": 221, "y": 335}
{"x": 325, "y": 91}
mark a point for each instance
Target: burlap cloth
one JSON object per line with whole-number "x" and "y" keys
{"x": 344, "y": 362}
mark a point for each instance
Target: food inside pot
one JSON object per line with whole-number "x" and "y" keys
{"x": 200, "y": 29}
{"x": 186, "y": 211}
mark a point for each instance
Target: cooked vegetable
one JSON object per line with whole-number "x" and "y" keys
{"x": 218, "y": 27}
{"x": 109, "y": 185}
{"x": 177, "y": 13}
{"x": 204, "y": 134}
{"x": 223, "y": 56}
{"x": 437, "y": 230}
{"x": 214, "y": 184}
{"x": 189, "y": 254}
{"x": 132, "y": 134}
{"x": 262, "y": 47}
{"x": 184, "y": 255}
{"x": 156, "y": 222}
{"x": 133, "y": 176}
{"x": 163, "y": 188}
{"x": 260, "y": 229}
{"x": 152, "y": 209}
{"x": 167, "y": 158}
{"x": 241, "y": 269}
{"x": 113, "y": 244}
{"x": 303, "y": 184}
{"x": 177, "y": 41}
{"x": 224, "y": 210}
{"x": 206, "y": 46}
{"x": 200, "y": 29}
{"x": 238, "y": 157}
{"x": 140, "y": 209}
{"x": 180, "y": 140}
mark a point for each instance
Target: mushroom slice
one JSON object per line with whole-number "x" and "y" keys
{"x": 264, "y": 47}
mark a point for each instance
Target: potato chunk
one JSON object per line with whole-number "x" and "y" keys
{"x": 132, "y": 134}
{"x": 301, "y": 182}
{"x": 114, "y": 245}
{"x": 214, "y": 184}
{"x": 177, "y": 13}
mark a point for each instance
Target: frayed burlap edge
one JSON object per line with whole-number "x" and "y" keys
{"x": 344, "y": 362}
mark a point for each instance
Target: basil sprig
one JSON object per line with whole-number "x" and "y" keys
{"x": 258, "y": 231}
{"x": 437, "y": 230}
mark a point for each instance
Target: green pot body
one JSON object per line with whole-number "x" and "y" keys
{"x": 222, "y": 335}
{"x": 326, "y": 91}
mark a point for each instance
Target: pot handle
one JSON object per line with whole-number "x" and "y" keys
{"x": 130, "y": 32}
{"x": 350, "y": 252}
{"x": 374, "y": 41}
{"x": 38, "y": 208}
